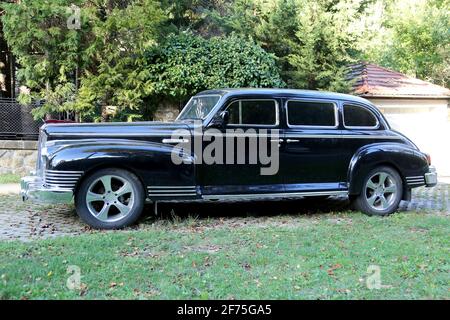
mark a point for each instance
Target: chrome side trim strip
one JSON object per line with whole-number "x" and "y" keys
{"x": 172, "y": 187}
{"x": 105, "y": 134}
{"x": 102, "y": 135}
{"x": 274, "y": 195}
{"x": 173, "y": 191}
{"x": 331, "y": 136}
{"x": 63, "y": 172}
{"x": 369, "y": 137}
{"x": 173, "y": 195}
{"x": 175, "y": 140}
{"x": 65, "y": 180}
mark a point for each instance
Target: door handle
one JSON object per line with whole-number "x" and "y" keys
{"x": 279, "y": 141}
{"x": 292, "y": 140}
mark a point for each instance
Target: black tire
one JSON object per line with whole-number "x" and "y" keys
{"x": 383, "y": 205}
{"x": 133, "y": 207}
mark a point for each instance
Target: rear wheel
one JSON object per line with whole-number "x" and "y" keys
{"x": 110, "y": 199}
{"x": 382, "y": 192}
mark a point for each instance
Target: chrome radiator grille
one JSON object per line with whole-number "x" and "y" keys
{"x": 61, "y": 179}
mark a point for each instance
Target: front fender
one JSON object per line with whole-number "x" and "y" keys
{"x": 405, "y": 159}
{"x": 151, "y": 161}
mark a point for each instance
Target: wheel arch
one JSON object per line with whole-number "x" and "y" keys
{"x": 400, "y": 158}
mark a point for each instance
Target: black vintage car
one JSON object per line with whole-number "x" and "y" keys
{"x": 321, "y": 144}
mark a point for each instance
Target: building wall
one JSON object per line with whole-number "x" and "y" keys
{"x": 425, "y": 122}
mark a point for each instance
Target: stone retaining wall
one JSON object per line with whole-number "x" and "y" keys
{"x": 166, "y": 113}
{"x": 18, "y": 157}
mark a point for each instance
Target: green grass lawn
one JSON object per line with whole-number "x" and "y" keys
{"x": 318, "y": 256}
{"x": 9, "y": 178}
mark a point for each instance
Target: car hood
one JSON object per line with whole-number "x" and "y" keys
{"x": 114, "y": 129}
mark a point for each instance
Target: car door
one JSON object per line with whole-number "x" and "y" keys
{"x": 242, "y": 171}
{"x": 311, "y": 158}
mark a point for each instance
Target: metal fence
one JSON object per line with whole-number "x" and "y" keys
{"x": 16, "y": 121}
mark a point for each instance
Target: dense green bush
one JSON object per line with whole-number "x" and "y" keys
{"x": 186, "y": 64}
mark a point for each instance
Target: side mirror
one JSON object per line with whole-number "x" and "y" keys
{"x": 225, "y": 116}
{"x": 220, "y": 120}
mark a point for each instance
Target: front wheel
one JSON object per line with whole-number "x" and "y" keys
{"x": 381, "y": 193}
{"x": 110, "y": 199}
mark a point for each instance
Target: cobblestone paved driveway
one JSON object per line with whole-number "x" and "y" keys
{"x": 28, "y": 221}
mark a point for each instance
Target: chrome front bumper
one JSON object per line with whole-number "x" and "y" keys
{"x": 431, "y": 177}
{"x": 33, "y": 188}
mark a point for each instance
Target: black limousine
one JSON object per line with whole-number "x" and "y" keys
{"x": 230, "y": 144}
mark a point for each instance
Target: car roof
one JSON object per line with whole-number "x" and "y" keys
{"x": 312, "y": 94}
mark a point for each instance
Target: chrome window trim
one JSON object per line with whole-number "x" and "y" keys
{"x": 295, "y": 126}
{"x": 247, "y": 125}
{"x": 200, "y": 96}
{"x": 377, "y": 126}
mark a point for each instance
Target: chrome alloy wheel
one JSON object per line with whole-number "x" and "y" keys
{"x": 110, "y": 198}
{"x": 381, "y": 191}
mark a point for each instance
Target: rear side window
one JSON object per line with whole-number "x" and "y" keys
{"x": 356, "y": 116}
{"x": 253, "y": 112}
{"x": 311, "y": 114}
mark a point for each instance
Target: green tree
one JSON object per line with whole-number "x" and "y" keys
{"x": 414, "y": 38}
{"x": 46, "y": 50}
{"x": 100, "y": 58}
{"x": 117, "y": 76}
{"x": 314, "y": 40}
{"x": 326, "y": 40}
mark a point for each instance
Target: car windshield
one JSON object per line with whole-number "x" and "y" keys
{"x": 199, "y": 107}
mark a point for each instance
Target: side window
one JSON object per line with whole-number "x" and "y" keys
{"x": 311, "y": 113}
{"x": 253, "y": 112}
{"x": 356, "y": 116}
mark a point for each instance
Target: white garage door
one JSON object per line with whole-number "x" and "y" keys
{"x": 425, "y": 123}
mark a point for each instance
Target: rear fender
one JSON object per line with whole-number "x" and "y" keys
{"x": 403, "y": 158}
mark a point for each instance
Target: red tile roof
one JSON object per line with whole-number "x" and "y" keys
{"x": 375, "y": 81}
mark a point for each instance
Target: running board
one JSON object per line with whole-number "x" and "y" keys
{"x": 274, "y": 195}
